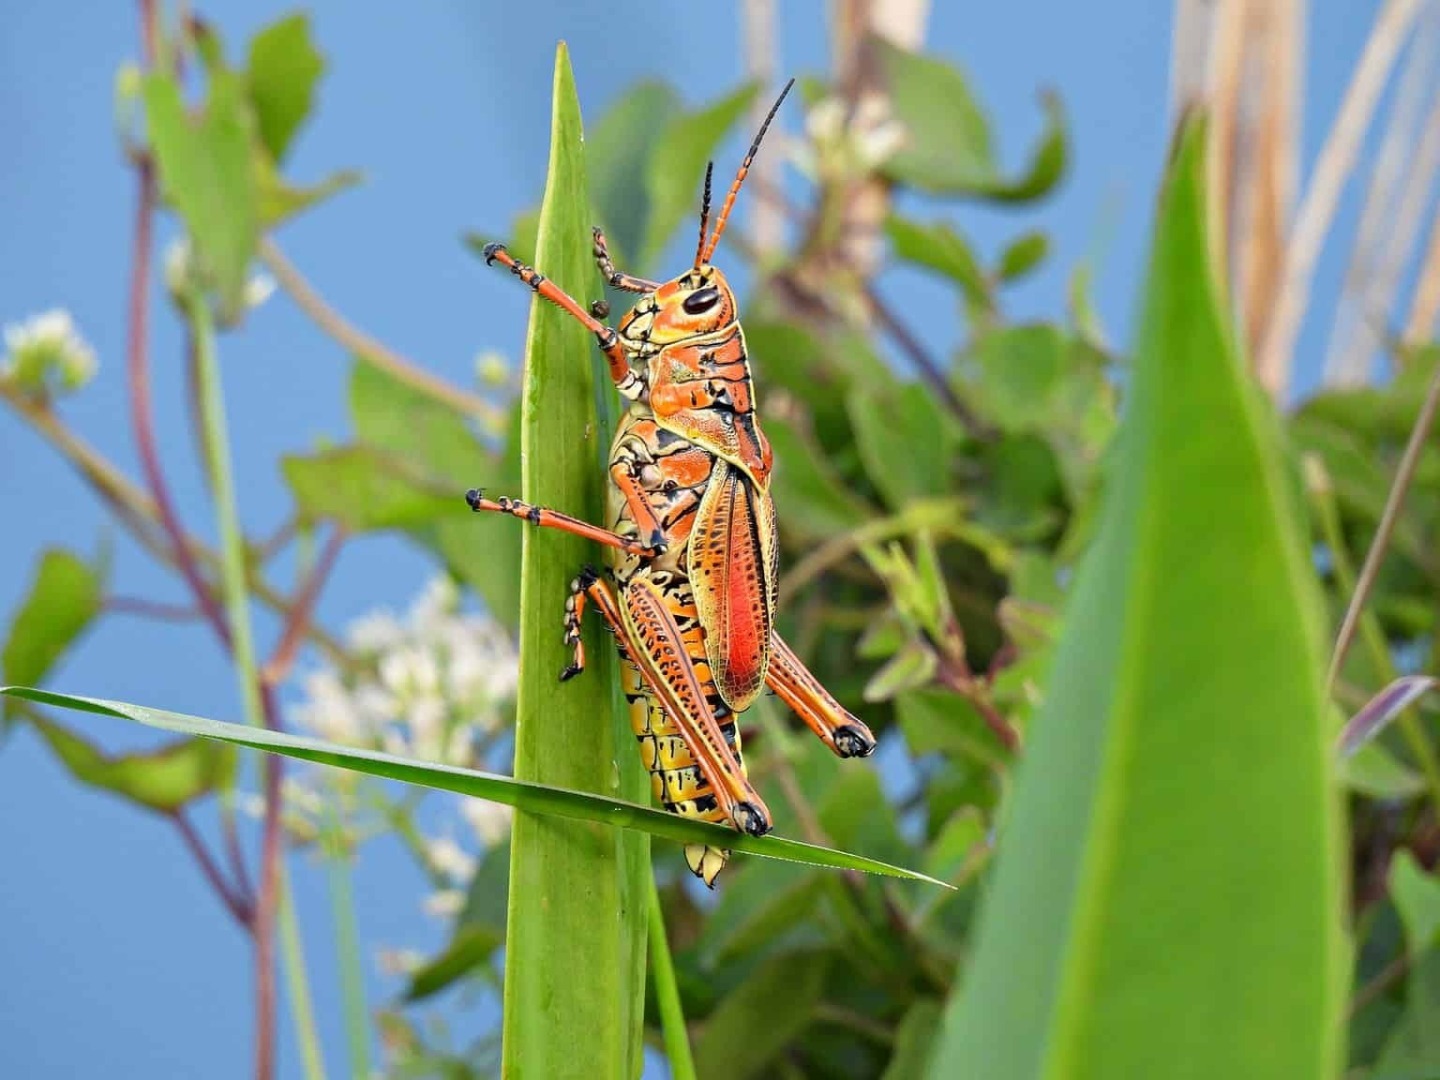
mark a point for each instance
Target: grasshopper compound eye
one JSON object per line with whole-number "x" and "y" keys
{"x": 701, "y": 301}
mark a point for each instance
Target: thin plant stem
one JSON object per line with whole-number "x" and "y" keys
{"x": 667, "y": 994}
{"x": 257, "y": 702}
{"x": 347, "y": 946}
{"x": 231, "y": 896}
{"x": 1384, "y": 979}
{"x": 298, "y": 984}
{"x": 364, "y": 346}
{"x": 1323, "y": 499}
{"x": 939, "y": 516}
{"x": 303, "y": 609}
{"x": 141, "y": 415}
{"x": 1388, "y": 519}
{"x": 151, "y": 609}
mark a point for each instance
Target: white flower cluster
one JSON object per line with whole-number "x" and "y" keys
{"x": 849, "y": 142}
{"x": 430, "y": 686}
{"x": 45, "y": 354}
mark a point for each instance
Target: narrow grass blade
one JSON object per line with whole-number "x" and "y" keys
{"x": 1167, "y": 898}
{"x": 536, "y": 798}
{"x": 667, "y": 995}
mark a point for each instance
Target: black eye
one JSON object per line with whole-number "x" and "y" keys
{"x": 701, "y": 300}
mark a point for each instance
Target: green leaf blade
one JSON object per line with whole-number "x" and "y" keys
{"x": 284, "y": 67}
{"x": 63, "y": 600}
{"x": 1182, "y": 754}
{"x": 207, "y": 171}
{"x": 532, "y": 797}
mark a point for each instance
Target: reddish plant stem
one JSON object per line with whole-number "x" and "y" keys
{"x": 262, "y": 920}
{"x": 151, "y": 609}
{"x": 237, "y": 905}
{"x": 244, "y": 885}
{"x": 141, "y": 416}
{"x": 961, "y": 681}
{"x": 301, "y": 611}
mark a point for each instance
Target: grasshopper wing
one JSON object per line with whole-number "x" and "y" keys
{"x": 732, "y": 567}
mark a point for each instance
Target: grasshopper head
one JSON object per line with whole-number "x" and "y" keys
{"x": 699, "y": 301}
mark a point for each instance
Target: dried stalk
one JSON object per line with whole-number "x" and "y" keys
{"x": 1337, "y": 158}
{"x": 1351, "y": 340}
{"x": 1420, "y": 325}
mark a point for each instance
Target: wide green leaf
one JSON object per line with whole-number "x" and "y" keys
{"x": 1413, "y": 1048}
{"x": 948, "y": 148}
{"x": 207, "y": 173}
{"x": 284, "y": 67}
{"x": 571, "y": 888}
{"x": 363, "y": 488}
{"x": 534, "y": 798}
{"x": 753, "y": 1024}
{"x": 1167, "y": 900}
{"x": 940, "y": 248}
{"x": 163, "y": 780}
{"x": 63, "y": 600}
{"x": 1024, "y": 254}
{"x": 676, "y": 168}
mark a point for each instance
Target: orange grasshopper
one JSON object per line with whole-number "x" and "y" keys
{"x": 692, "y": 575}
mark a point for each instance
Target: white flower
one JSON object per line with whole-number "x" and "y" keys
{"x": 450, "y": 859}
{"x": 409, "y": 671}
{"x": 375, "y": 632}
{"x": 426, "y": 719}
{"x": 445, "y": 904}
{"x": 45, "y": 354}
{"x": 826, "y": 120}
{"x": 258, "y": 289}
{"x": 434, "y": 607}
{"x": 490, "y": 820}
{"x": 400, "y": 961}
{"x": 875, "y": 132}
{"x": 177, "y": 264}
{"x": 331, "y": 711}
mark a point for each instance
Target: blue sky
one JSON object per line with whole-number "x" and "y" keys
{"x": 115, "y": 957}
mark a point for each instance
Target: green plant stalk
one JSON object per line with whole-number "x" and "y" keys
{"x": 1322, "y": 500}
{"x": 298, "y": 983}
{"x": 232, "y": 540}
{"x": 667, "y": 994}
{"x": 236, "y": 594}
{"x": 576, "y": 925}
{"x": 347, "y": 948}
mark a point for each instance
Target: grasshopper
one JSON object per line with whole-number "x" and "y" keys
{"x": 690, "y": 591}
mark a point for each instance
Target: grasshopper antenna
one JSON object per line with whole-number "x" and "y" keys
{"x": 704, "y": 214}
{"x": 740, "y": 177}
